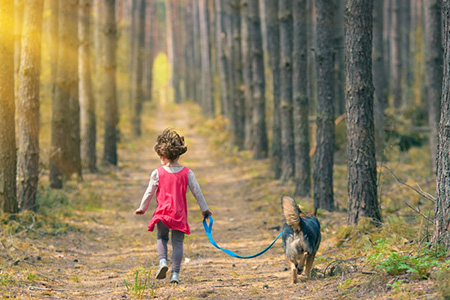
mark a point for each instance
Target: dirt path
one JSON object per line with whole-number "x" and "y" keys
{"x": 112, "y": 243}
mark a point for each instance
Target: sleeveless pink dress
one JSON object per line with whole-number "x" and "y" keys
{"x": 171, "y": 207}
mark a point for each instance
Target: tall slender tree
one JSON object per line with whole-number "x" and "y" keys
{"x": 74, "y": 99}
{"x": 18, "y": 22}
{"x": 433, "y": 73}
{"x": 172, "y": 47}
{"x": 237, "y": 103}
{"x": 28, "y": 110}
{"x": 87, "y": 100}
{"x": 362, "y": 172}
{"x": 286, "y": 108}
{"x": 247, "y": 71}
{"x": 301, "y": 103}
{"x": 137, "y": 77}
{"x": 65, "y": 96}
{"x": 324, "y": 156}
{"x": 339, "y": 74}
{"x": 442, "y": 209}
{"x": 273, "y": 46}
{"x": 222, "y": 59}
{"x": 207, "y": 87}
{"x": 8, "y": 199}
{"x": 196, "y": 47}
{"x": 259, "y": 128}
{"x": 149, "y": 48}
{"x": 109, "y": 67}
{"x": 395, "y": 54}
{"x": 379, "y": 75}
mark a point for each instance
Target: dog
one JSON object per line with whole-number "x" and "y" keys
{"x": 301, "y": 237}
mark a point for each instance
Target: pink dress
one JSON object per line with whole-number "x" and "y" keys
{"x": 171, "y": 207}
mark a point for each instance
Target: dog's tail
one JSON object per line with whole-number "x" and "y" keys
{"x": 291, "y": 212}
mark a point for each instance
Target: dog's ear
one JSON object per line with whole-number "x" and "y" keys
{"x": 291, "y": 212}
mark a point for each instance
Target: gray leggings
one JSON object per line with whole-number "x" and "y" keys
{"x": 162, "y": 238}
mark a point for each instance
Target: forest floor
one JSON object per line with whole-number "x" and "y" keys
{"x": 95, "y": 246}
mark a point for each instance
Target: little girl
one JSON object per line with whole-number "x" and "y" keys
{"x": 170, "y": 183}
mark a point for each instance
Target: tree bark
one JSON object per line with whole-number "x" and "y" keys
{"x": 324, "y": 156}
{"x": 339, "y": 74}
{"x": 18, "y": 22}
{"x": 87, "y": 101}
{"x": 137, "y": 74}
{"x": 8, "y": 200}
{"x": 433, "y": 71}
{"x": 273, "y": 46}
{"x": 395, "y": 59}
{"x": 362, "y": 172}
{"x": 65, "y": 98}
{"x": 237, "y": 103}
{"x": 109, "y": 67}
{"x": 405, "y": 33}
{"x": 28, "y": 109}
{"x": 171, "y": 48}
{"x": 197, "y": 59}
{"x": 207, "y": 98}
{"x": 246, "y": 45}
{"x": 442, "y": 210}
{"x": 149, "y": 49}
{"x": 301, "y": 103}
{"x": 259, "y": 129}
{"x": 379, "y": 76}
{"x": 223, "y": 61}
{"x": 286, "y": 108}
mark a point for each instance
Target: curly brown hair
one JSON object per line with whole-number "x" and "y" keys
{"x": 170, "y": 144}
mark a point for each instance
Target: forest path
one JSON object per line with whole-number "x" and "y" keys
{"x": 113, "y": 243}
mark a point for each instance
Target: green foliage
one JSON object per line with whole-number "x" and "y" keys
{"x": 32, "y": 277}
{"x": 395, "y": 262}
{"x": 142, "y": 284}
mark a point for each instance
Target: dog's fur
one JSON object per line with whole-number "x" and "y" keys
{"x": 301, "y": 237}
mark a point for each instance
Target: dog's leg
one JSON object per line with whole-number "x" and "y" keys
{"x": 293, "y": 267}
{"x": 309, "y": 263}
{"x": 302, "y": 263}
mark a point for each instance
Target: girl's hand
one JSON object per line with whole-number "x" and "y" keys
{"x": 206, "y": 213}
{"x": 139, "y": 212}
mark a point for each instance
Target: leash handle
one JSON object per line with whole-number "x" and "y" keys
{"x": 208, "y": 229}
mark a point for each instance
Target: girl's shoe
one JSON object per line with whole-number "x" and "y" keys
{"x": 162, "y": 270}
{"x": 175, "y": 278}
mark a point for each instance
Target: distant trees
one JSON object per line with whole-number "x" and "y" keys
{"x": 442, "y": 210}
{"x": 362, "y": 181}
{"x": 8, "y": 200}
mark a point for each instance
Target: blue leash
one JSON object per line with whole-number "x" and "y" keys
{"x": 208, "y": 229}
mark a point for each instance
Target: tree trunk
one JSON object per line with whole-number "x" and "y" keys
{"x": 301, "y": 103}
{"x": 362, "y": 172}
{"x": 207, "y": 98}
{"x": 286, "y": 108}
{"x": 149, "y": 49}
{"x": 312, "y": 66}
{"x": 138, "y": 69}
{"x": 28, "y": 110}
{"x": 433, "y": 72}
{"x": 171, "y": 48}
{"x": 87, "y": 101}
{"x": 324, "y": 156}
{"x": 197, "y": 59}
{"x": 247, "y": 71}
{"x": 442, "y": 210}
{"x": 273, "y": 46}
{"x": 8, "y": 200}
{"x": 339, "y": 74}
{"x": 109, "y": 67}
{"x": 237, "y": 106}
{"x": 379, "y": 76}
{"x": 18, "y": 22}
{"x": 259, "y": 130}
{"x": 71, "y": 14}
{"x": 65, "y": 98}
{"x": 223, "y": 62}
{"x": 395, "y": 59}
{"x": 405, "y": 33}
